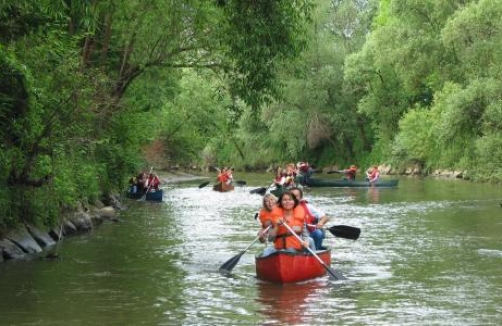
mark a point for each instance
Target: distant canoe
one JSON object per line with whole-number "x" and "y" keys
{"x": 288, "y": 267}
{"x": 221, "y": 187}
{"x": 341, "y": 183}
{"x": 150, "y": 196}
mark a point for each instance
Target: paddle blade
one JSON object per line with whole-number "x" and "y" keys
{"x": 241, "y": 182}
{"x": 202, "y": 185}
{"x": 334, "y": 274}
{"x": 227, "y": 267}
{"x": 345, "y": 231}
{"x": 260, "y": 191}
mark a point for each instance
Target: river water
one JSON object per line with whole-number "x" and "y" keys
{"x": 429, "y": 254}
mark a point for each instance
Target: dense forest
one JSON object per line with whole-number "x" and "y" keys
{"x": 93, "y": 91}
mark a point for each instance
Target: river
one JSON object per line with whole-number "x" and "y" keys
{"x": 429, "y": 254}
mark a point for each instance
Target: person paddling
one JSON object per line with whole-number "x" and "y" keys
{"x": 315, "y": 219}
{"x": 223, "y": 176}
{"x": 266, "y": 215}
{"x": 350, "y": 173}
{"x": 373, "y": 175}
{"x": 293, "y": 214}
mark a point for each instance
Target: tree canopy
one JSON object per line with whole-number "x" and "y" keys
{"x": 92, "y": 91}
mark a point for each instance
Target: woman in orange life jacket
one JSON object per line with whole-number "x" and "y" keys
{"x": 266, "y": 215}
{"x": 293, "y": 214}
{"x": 315, "y": 219}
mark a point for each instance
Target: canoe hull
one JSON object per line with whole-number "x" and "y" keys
{"x": 313, "y": 182}
{"x": 287, "y": 267}
{"x": 150, "y": 196}
{"x": 221, "y": 187}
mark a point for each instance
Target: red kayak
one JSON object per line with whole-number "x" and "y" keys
{"x": 288, "y": 267}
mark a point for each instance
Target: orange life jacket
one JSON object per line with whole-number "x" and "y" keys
{"x": 223, "y": 178}
{"x": 284, "y": 239}
{"x": 267, "y": 217}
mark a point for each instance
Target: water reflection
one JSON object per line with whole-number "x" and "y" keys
{"x": 288, "y": 304}
{"x": 373, "y": 195}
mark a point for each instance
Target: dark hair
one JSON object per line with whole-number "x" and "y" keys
{"x": 289, "y": 193}
{"x": 299, "y": 189}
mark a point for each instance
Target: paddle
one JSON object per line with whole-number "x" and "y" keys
{"x": 205, "y": 183}
{"x": 337, "y": 171}
{"x": 227, "y": 267}
{"x": 202, "y": 185}
{"x": 259, "y": 191}
{"x": 343, "y": 231}
{"x": 240, "y": 182}
{"x": 336, "y": 275}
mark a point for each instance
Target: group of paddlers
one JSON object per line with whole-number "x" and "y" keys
{"x": 293, "y": 175}
{"x": 372, "y": 175}
{"x": 143, "y": 183}
{"x": 288, "y": 214}
{"x": 288, "y": 176}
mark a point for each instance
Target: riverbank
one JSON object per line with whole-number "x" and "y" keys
{"x": 32, "y": 242}
{"x": 28, "y": 241}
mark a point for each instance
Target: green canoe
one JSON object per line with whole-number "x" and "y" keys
{"x": 341, "y": 183}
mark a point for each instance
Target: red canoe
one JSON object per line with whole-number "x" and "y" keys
{"x": 287, "y": 267}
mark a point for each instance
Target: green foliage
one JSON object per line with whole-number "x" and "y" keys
{"x": 258, "y": 35}
{"x": 315, "y": 118}
{"x": 415, "y": 139}
{"x": 471, "y": 37}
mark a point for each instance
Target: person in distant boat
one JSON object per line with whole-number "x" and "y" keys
{"x": 142, "y": 182}
{"x": 153, "y": 182}
{"x": 304, "y": 172}
{"x": 133, "y": 184}
{"x": 315, "y": 219}
{"x": 278, "y": 177}
{"x": 266, "y": 215}
{"x": 350, "y": 173}
{"x": 288, "y": 179}
{"x": 230, "y": 176}
{"x": 293, "y": 214}
{"x": 373, "y": 175}
{"x": 223, "y": 176}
